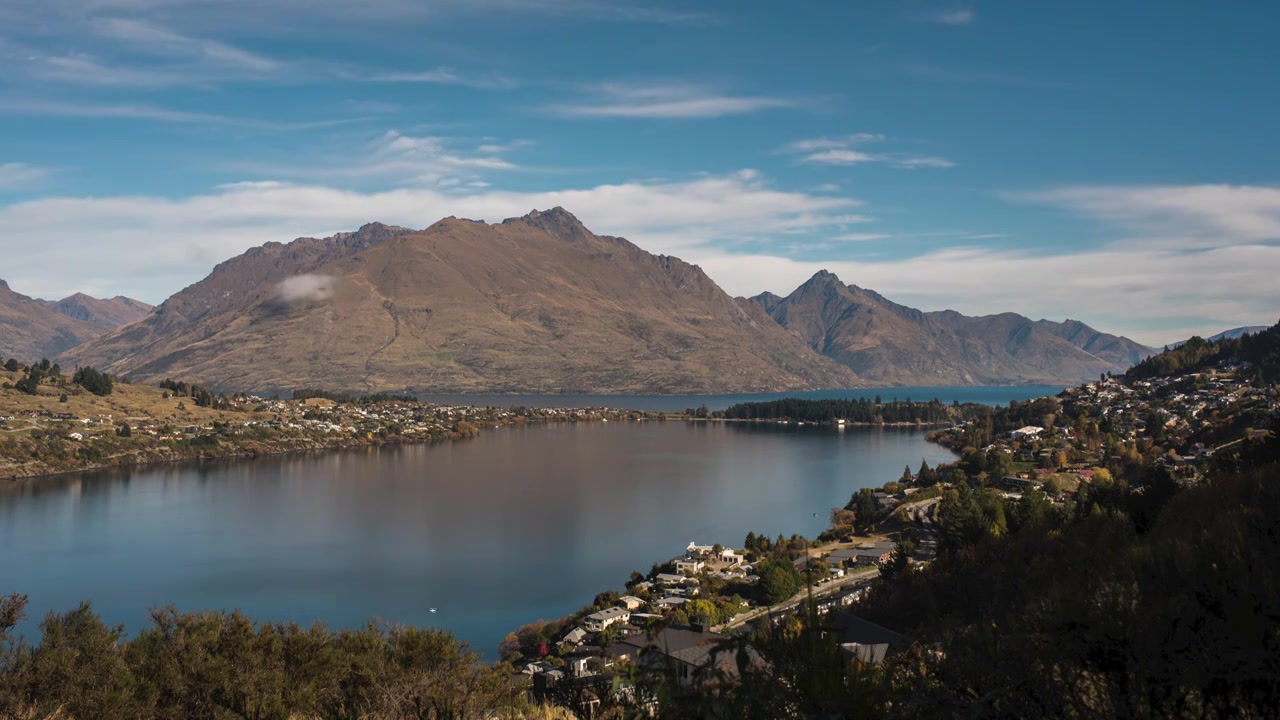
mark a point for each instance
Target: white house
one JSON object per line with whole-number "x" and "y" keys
{"x": 597, "y": 622}
{"x": 1029, "y": 431}
{"x": 692, "y": 566}
{"x": 631, "y": 602}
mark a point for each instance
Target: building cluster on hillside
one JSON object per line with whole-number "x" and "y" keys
{"x": 1182, "y": 417}
{"x": 589, "y": 660}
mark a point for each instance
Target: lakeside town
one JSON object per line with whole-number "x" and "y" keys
{"x": 685, "y": 616}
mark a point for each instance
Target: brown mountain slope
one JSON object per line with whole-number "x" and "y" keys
{"x": 1112, "y": 348}
{"x": 884, "y": 342}
{"x": 106, "y": 315}
{"x": 533, "y": 304}
{"x": 29, "y": 330}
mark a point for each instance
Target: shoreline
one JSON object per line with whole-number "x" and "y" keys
{"x": 171, "y": 456}
{"x": 296, "y": 446}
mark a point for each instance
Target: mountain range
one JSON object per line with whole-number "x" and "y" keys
{"x": 886, "y": 343}
{"x": 536, "y": 304}
{"x": 540, "y": 304}
{"x": 31, "y": 329}
{"x": 1232, "y": 333}
{"x": 106, "y": 315}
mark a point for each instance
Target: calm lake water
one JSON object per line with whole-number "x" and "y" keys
{"x": 516, "y": 525}
{"x": 986, "y": 395}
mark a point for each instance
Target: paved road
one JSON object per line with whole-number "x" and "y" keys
{"x": 820, "y": 591}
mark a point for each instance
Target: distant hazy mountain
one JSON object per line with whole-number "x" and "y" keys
{"x": 31, "y": 330}
{"x": 106, "y": 315}
{"x": 533, "y": 304}
{"x": 1232, "y": 333}
{"x": 887, "y": 343}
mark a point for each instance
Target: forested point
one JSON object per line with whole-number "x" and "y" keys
{"x": 854, "y": 410}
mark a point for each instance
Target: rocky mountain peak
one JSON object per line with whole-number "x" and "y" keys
{"x": 557, "y": 222}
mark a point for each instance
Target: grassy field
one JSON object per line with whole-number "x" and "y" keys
{"x": 134, "y": 404}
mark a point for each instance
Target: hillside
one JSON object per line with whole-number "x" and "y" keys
{"x": 106, "y": 315}
{"x": 1259, "y": 350}
{"x": 884, "y": 342}
{"x": 30, "y": 330}
{"x": 536, "y": 304}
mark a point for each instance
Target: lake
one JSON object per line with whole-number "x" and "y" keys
{"x": 519, "y": 524}
{"x": 984, "y": 395}
{"x": 516, "y": 525}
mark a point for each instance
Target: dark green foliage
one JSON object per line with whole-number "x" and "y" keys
{"x": 124, "y": 431}
{"x": 217, "y": 665}
{"x": 30, "y": 382}
{"x": 779, "y": 580}
{"x": 1261, "y": 350}
{"x": 98, "y": 383}
{"x": 853, "y": 410}
{"x": 203, "y": 397}
{"x": 12, "y": 365}
{"x": 346, "y": 397}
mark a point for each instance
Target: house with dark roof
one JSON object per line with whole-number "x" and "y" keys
{"x": 691, "y": 654}
{"x": 862, "y": 640}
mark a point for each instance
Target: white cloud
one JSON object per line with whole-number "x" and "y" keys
{"x": 840, "y": 157}
{"x": 1153, "y": 297}
{"x": 829, "y": 143}
{"x": 911, "y": 162}
{"x": 665, "y": 101}
{"x": 303, "y": 289}
{"x": 19, "y": 176}
{"x": 148, "y": 247}
{"x": 862, "y": 237}
{"x": 1200, "y": 215}
{"x": 1155, "y": 291}
{"x": 960, "y": 16}
{"x": 399, "y": 158}
{"x": 843, "y": 151}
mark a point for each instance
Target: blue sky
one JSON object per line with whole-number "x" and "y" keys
{"x": 1110, "y": 162}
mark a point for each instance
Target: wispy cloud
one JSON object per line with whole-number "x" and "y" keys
{"x": 441, "y": 76}
{"x": 147, "y": 37}
{"x": 62, "y": 108}
{"x": 399, "y": 158}
{"x": 845, "y": 150}
{"x": 960, "y": 16}
{"x": 861, "y": 237}
{"x": 665, "y": 101}
{"x": 1192, "y": 216}
{"x": 19, "y": 176}
{"x": 83, "y": 69}
{"x": 309, "y": 15}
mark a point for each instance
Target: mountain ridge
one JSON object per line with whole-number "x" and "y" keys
{"x": 886, "y": 342}
{"x": 531, "y": 304}
{"x": 106, "y": 314}
{"x": 31, "y": 330}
